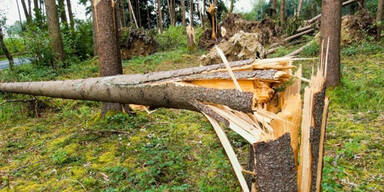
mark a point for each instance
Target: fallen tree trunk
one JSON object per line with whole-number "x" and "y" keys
{"x": 172, "y": 89}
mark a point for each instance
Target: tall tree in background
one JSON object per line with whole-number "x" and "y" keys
{"x": 108, "y": 43}
{"x": 171, "y": 11}
{"x": 70, "y": 14}
{"x": 4, "y": 48}
{"x": 62, "y": 14}
{"x": 299, "y": 7}
{"x": 159, "y": 16}
{"x": 55, "y": 40}
{"x": 183, "y": 13}
{"x": 26, "y": 13}
{"x": 379, "y": 14}
{"x": 274, "y": 7}
{"x": 232, "y": 5}
{"x": 191, "y": 12}
{"x": 94, "y": 31}
{"x": 18, "y": 11}
{"x": 330, "y": 32}
{"x": 282, "y": 12}
{"x": 37, "y": 12}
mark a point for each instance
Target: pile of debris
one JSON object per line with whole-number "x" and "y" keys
{"x": 137, "y": 42}
{"x": 356, "y": 27}
{"x": 239, "y": 39}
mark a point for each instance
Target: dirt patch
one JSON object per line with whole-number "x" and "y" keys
{"x": 137, "y": 42}
{"x": 357, "y": 27}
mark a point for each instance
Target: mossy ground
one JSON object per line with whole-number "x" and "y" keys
{"x": 69, "y": 147}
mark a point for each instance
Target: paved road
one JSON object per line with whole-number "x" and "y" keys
{"x": 4, "y": 64}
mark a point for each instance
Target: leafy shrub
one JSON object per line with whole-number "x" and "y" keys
{"x": 173, "y": 37}
{"x": 37, "y": 46}
{"x": 311, "y": 50}
{"x": 362, "y": 47}
{"x": 79, "y": 43}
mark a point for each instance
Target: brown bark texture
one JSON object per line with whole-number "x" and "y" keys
{"x": 5, "y": 50}
{"x": 183, "y": 12}
{"x": 282, "y": 12}
{"x": 55, "y": 39}
{"x": 315, "y": 133}
{"x": 191, "y": 13}
{"x": 379, "y": 14}
{"x": 275, "y": 165}
{"x": 330, "y": 29}
{"x": 159, "y": 16}
{"x": 274, "y": 7}
{"x": 70, "y": 14}
{"x": 108, "y": 43}
{"x": 94, "y": 30}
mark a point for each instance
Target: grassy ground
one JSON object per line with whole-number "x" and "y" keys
{"x": 70, "y": 148}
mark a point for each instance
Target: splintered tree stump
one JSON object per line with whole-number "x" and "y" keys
{"x": 275, "y": 165}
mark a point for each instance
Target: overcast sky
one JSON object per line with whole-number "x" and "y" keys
{"x": 9, "y": 7}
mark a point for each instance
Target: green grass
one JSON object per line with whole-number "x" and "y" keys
{"x": 70, "y": 146}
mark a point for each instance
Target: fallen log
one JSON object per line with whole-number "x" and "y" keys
{"x": 172, "y": 89}
{"x": 274, "y": 46}
{"x": 299, "y": 50}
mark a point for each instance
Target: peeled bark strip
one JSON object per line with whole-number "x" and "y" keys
{"x": 275, "y": 165}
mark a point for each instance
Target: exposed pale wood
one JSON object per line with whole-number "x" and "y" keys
{"x": 230, "y": 153}
{"x": 321, "y": 146}
{"x": 225, "y": 61}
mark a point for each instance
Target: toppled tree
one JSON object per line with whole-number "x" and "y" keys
{"x": 241, "y": 95}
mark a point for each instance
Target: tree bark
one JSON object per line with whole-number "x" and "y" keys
{"x": 70, "y": 14}
{"x": 138, "y": 12}
{"x": 108, "y": 48}
{"x": 25, "y": 9}
{"x": 330, "y": 32}
{"x": 274, "y": 7}
{"x": 232, "y": 5}
{"x": 191, "y": 13}
{"x": 55, "y": 40}
{"x": 29, "y": 8}
{"x": 94, "y": 30}
{"x": 379, "y": 14}
{"x": 159, "y": 89}
{"x": 62, "y": 14}
{"x": 5, "y": 50}
{"x": 183, "y": 13}
{"x": 122, "y": 12}
{"x": 299, "y": 8}
{"x": 159, "y": 16}
{"x": 282, "y": 13}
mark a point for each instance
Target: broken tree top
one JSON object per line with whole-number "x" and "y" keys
{"x": 173, "y": 89}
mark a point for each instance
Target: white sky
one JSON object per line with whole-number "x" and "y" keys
{"x": 9, "y": 7}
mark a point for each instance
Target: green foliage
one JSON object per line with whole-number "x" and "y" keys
{"x": 362, "y": 47}
{"x": 312, "y": 50}
{"x": 79, "y": 42}
{"x": 37, "y": 46}
{"x": 172, "y": 38}
{"x": 292, "y": 24}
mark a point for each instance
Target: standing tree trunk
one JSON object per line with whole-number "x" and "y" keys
{"x": 379, "y": 14}
{"x": 159, "y": 16}
{"x": 55, "y": 40}
{"x": 330, "y": 32}
{"x": 138, "y": 12}
{"x": 200, "y": 14}
{"x": 94, "y": 30}
{"x": 171, "y": 11}
{"x": 132, "y": 14}
{"x": 232, "y": 5}
{"x": 299, "y": 8}
{"x": 282, "y": 13}
{"x": 5, "y": 50}
{"x": 108, "y": 41}
{"x": 122, "y": 12}
{"x": 29, "y": 8}
{"x": 62, "y": 14}
{"x": 191, "y": 13}
{"x": 183, "y": 12}
{"x": 148, "y": 16}
{"x": 25, "y": 9}
{"x": 274, "y": 7}
{"x": 70, "y": 14}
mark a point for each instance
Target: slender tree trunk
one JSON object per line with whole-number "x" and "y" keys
{"x": 200, "y": 14}
{"x": 132, "y": 14}
{"x": 25, "y": 9}
{"x": 18, "y": 10}
{"x": 55, "y": 40}
{"x": 183, "y": 12}
{"x": 159, "y": 16}
{"x": 62, "y": 14}
{"x": 37, "y": 12}
{"x": 299, "y": 8}
{"x": 94, "y": 30}
{"x": 148, "y": 16}
{"x": 30, "y": 8}
{"x": 232, "y": 5}
{"x": 282, "y": 13}
{"x": 379, "y": 14}
{"x": 330, "y": 32}
{"x": 5, "y": 50}
{"x": 108, "y": 41}
{"x": 122, "y": 11}
{"x": 274, "y": 7}
{"x": 138, "y": 12}
{"x": 191, "y": 13}
{"x": 70, "y": 14}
